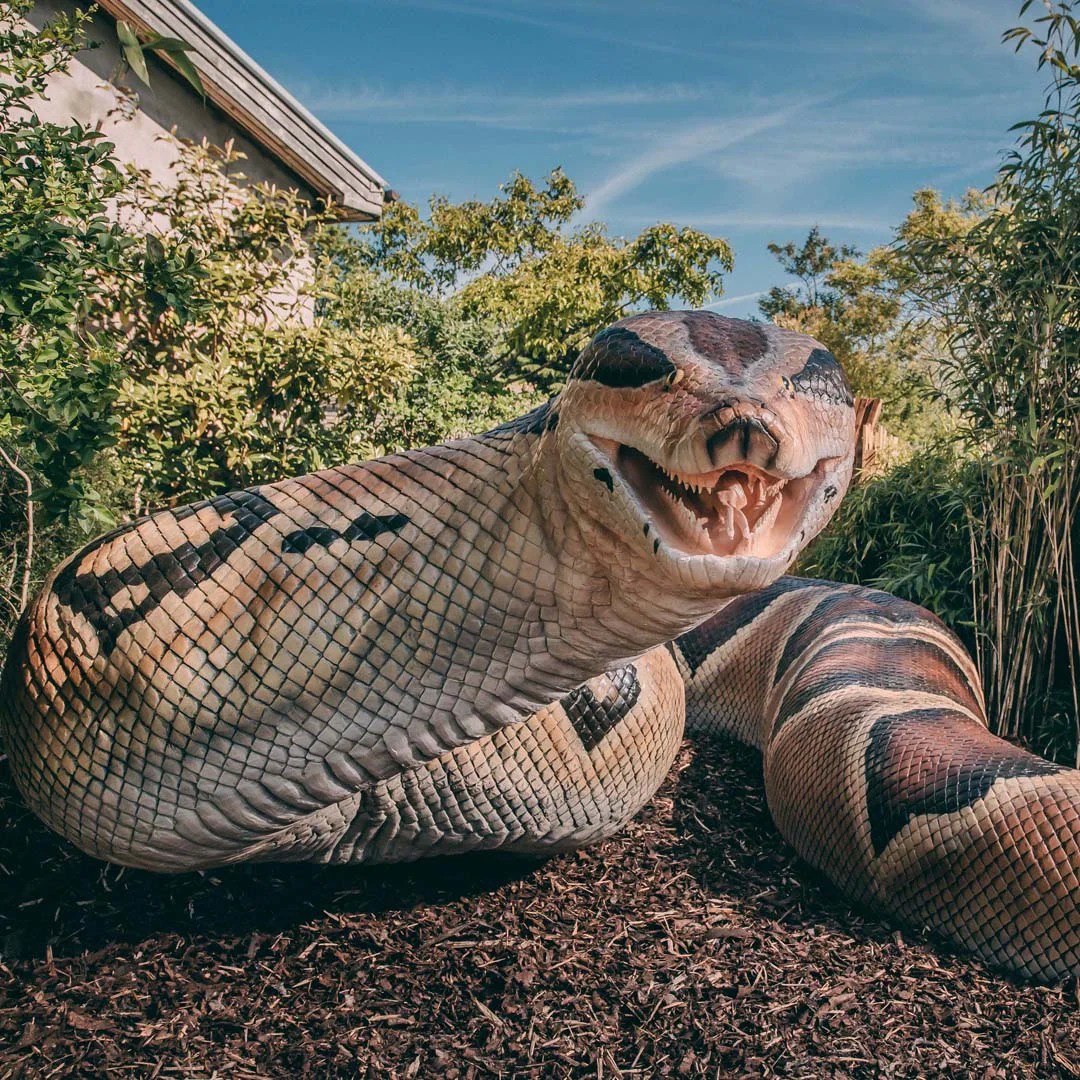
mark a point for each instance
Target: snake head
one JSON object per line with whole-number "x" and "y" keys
{"x": 704, "y": 450}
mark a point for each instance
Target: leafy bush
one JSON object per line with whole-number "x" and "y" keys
{"x": 236, "y": 381}
{"x": 1004, "y": 290}
{"x": 455, "y": 387}
{"x": 59, "y": 370}
{"x": 907, "y": 532}
{"x": 56, "y": 242}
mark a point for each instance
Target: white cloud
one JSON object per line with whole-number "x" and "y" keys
{"x": 691, "y": 144}
{"x": 980, "y": 21}
{"x": 577, "y": 113}
{"x": 503, "y": 12}
{"x": 825, "y": 220}
{"x": 731, "y": 301}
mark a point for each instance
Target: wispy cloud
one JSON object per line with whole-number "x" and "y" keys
{"x": 567, "y": 27}
{"x": 731, "y": 301}
{"x": 913, "y": 135}
{"x": 773, "y": 31}
{"x": 693, "y": 143}
{"x": 824, "y": 220}
{"x": 981, "y": 22}
{"x": 576, "y": 109}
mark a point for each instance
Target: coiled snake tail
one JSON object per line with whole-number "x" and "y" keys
{"x": 880, "y": 771}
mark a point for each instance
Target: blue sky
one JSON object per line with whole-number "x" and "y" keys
{"x": 751, "y": 120}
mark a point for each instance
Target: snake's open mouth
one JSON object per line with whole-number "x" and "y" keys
{"x": 738, "y": 509}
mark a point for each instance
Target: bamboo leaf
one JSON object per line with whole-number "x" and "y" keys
{"x": 132, "y": 50}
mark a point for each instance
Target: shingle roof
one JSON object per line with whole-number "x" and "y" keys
{"x": 264, "y": 110}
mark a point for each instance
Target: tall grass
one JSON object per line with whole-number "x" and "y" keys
{"x": 1006, "y": 294}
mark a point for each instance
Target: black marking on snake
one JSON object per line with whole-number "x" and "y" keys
{"x": 178, "y": 570}
{"x": 743, "y": 429}
{"x": 655, "y": 546}
{"x": 840, "y": 604}
{"x": 605, "y": 478}
{"x": 731, "y": 342}
{"x": 934, "y": 761}
{"x": 617, "y": 357}
{"x": 829, "y": 493}
{"x": 542, "y": 418}
{"x": 696, "y": 645}
{"x": 823, "y": 377}
{"x": 874, "y": 663}
{"x": 365, "y": 527}
{"x": 592, "y": 717}
{"x": 646, "y": 528}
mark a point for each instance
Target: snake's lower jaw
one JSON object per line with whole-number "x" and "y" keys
{"x": 737, "y": 511}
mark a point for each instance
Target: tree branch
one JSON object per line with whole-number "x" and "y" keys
{"x": 24, "y": 592}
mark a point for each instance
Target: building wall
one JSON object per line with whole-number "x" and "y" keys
{"x": 144, "y": 135}
{"x": 85, "y": 94}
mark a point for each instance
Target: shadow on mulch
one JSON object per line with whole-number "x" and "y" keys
{"x": 752, "y": 852}
{"x": 54, "y": 897}
{"x": 694, "y": 944}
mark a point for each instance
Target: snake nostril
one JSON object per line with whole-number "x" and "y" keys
{"x": 744, "y": 438}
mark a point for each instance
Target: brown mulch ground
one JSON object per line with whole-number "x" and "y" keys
{"x": 694, "y": 944}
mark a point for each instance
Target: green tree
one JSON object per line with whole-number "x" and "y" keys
{"x": 59, "y": 374}
{"x": 812, "y": 264}
{"x": 56, "y": 244}
{"x": 854, "y": 305}
{"x": 542, "y": 284}
{"x": 1000, "y": 281}
{"x": 453, "y": 387}
{"x": 237, "y": 379}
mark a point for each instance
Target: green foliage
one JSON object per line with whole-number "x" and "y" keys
{"x": 497, "y": 298}
{"x": 57, "y": 245}
{"x": 519, "y": 266}
{"x": 1000, "y": 282}
{"x": 134, "y": 52}
{"x": 907, "y": 532}
{"x": 855, "y": 307}
{"x": 462, "y": 240}
{"x": 157, "y": 342}
{"x": 230, "y": 379}
{"x": 811, "y": 264}
{"x": 455, "y": 387}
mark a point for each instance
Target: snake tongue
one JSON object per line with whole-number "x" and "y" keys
{"x": 723, "y": 512}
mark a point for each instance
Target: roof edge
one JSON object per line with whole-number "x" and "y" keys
{"x": 359, "y": 197}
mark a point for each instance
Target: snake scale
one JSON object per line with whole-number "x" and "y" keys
{"x": 496, "y": 643}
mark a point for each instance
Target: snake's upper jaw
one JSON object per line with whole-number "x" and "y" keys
{"x": 737, "y": 510}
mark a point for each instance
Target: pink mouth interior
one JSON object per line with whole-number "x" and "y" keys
{"x": 735, "y": 510}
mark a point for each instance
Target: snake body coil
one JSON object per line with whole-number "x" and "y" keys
{"x": 464, "y": 647}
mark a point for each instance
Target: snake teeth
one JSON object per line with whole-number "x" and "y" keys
{"x": 721, "y": 512}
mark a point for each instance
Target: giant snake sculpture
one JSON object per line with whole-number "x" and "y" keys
{"x": 463, "y": 647}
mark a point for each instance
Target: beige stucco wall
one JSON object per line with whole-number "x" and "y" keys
{"x": 144, "y": 135}
{"x": 85, "y": 95}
